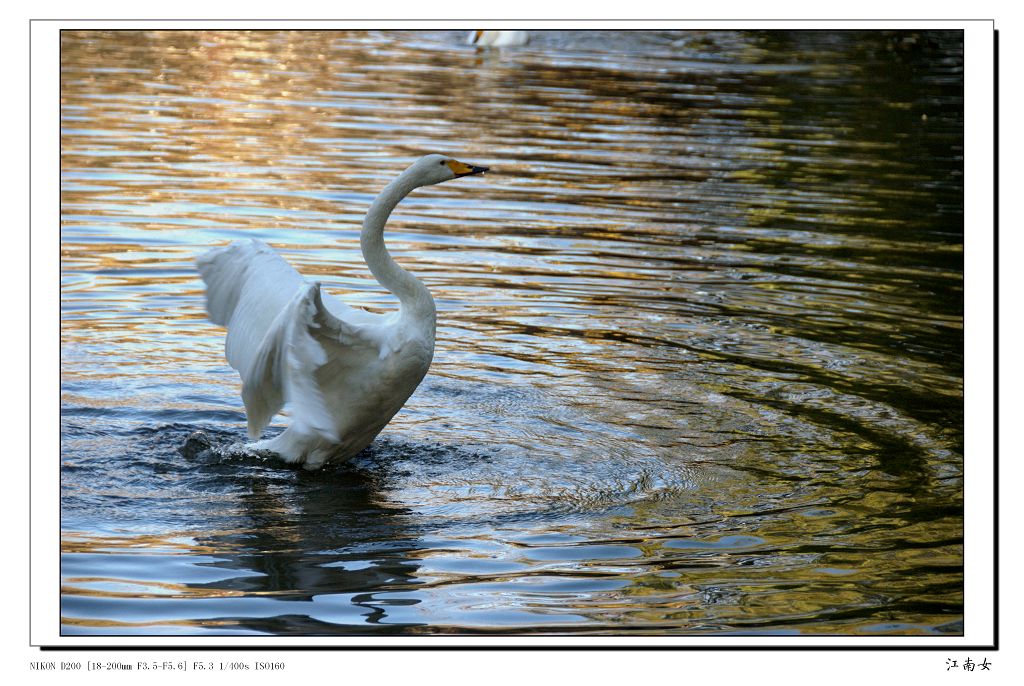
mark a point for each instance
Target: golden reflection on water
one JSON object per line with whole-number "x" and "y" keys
{"x": 712, "y": 288}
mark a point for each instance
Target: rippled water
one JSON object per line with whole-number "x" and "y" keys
{"x": 699, "y": 359}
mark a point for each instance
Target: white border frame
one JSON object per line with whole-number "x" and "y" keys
{"x": 978, "y": 342}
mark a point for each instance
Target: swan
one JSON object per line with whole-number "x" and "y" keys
{"x": 498, "y": 38}
{"x": 344, "y": 372}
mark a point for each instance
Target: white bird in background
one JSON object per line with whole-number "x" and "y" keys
{"x": 343, "y": 372}
{"x": 498, "y": 39}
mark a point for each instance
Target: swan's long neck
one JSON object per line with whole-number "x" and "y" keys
{"x": 412, "y": 294}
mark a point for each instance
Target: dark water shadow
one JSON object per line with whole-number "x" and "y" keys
{"x": 326, "y": 541}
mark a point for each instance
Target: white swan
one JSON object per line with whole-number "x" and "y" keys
{"x": 343, "y": 372}
{"x": 498, "y": 39}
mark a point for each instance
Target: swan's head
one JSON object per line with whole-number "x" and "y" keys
{"x": 437, "y": 168}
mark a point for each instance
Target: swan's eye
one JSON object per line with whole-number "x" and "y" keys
{"x": 441, "y": 162}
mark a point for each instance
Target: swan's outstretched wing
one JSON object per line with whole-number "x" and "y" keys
{"x": 279, "y": 332}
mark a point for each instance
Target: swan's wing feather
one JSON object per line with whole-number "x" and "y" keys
{"x": 305, "y": 338}
{"x": 279, "y": 332}
{"x": 262, "y": 381}
{"x": 283, "y": 370}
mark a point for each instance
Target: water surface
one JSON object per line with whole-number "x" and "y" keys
{"x": 699, "y": 361}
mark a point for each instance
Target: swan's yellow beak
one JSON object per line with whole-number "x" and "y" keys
{"x": 463, "y": 169}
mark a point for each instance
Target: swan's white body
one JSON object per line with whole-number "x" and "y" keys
{"x": 343, "y": 372}
{"x": 498, "y": 39}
